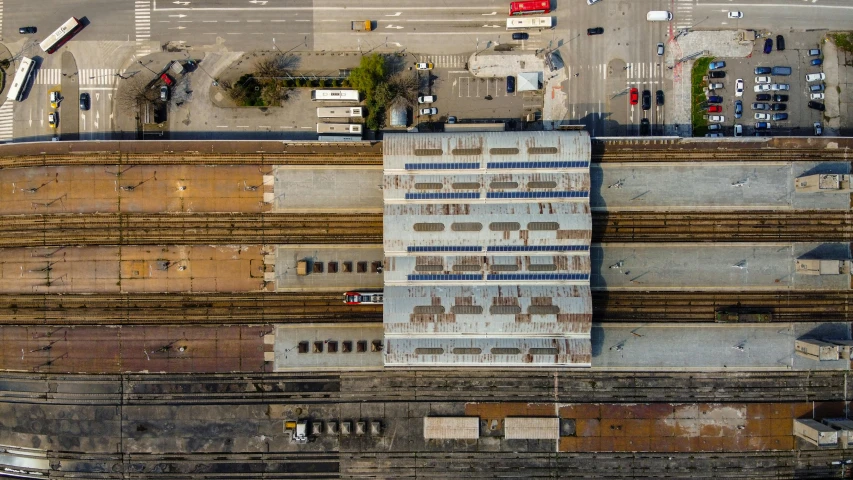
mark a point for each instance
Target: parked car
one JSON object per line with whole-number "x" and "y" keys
{"x": 54, "y": 98}
{"x": 717, "y": 65}
{"x": 763, "y": 80}
{"x": 715, "y": 99}
{"x": 659, "y": 97}
{"x": 717, "y": 74}
{"x": 762, "y": 70}
{"x": 715, "y": 126}
{"x": 716, "y": 86}
{"x": 762, "y": 97}
{"x": 520, "y": 36}
{"x": 426, "y": 99}
{"x": 817, "y": 88}
{"x": 647, "y": 99}
{"x": 761, "y": 106}
{"x": 762, "y": 125}
{"x": 716, "y": 119}
{"x": 735, "y": 14}
{"x": 635, "y": 95}
{"x": 817, "y": 96}
{"x": 781, "y": 71}
{"x": 429, "y": 111}
{"x": 761, "y": 88}
{"x": 738, "y": 109}
{"x": 814, "y": 52}
{"x": 780, "y": 86}
{"x": 762, "y": 116}
{"x": 780, "y": 43}
{"x": 660, "y": 49}
{"x": 768, "y": 45}
{"x": 778, "y": 107}
{"x": 779, "y": 117}
{"x": 780, "y": 98}
{"x": 818, "y": 130}
{"x": 164, "y": 93}
{"x": 590, "y": 2}
{"x": 84, "y": 101}
{"x": 817, "y": 105}
{"x": 595, "y": 31}
{"x": 715, "y": 109}
{"x": 645, "y": 127}
{"x": 739, "y": 87}
{"x": 451, "y": 120}
{"x": 510, "y": 84}
{"x": 27, "y": 30}
{"x": 816, "y": 62}
{"x": 52, "y": 119}
{"x": 738, "y": 130}
{"x": 423, "y": 66}
{"x": 815, "y": 77}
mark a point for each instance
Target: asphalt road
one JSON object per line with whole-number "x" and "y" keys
{"x": 600, "y": 69}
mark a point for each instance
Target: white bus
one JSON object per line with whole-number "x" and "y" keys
{"x": 341, "y": 128}
{"x": 22, "y": 77}
{"x": 529, "y": 22}
{"x": 61, "y": 35}
{"x": 334, "y": 95}
{"x": 339, "y": 112}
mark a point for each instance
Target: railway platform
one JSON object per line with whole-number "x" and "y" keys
{"x": 712, "y": 266}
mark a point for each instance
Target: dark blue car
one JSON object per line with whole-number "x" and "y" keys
{"x": 510, "y": 84}
{"x": 738, "y": 109}
{"x": 715, "y": 99}
{"x": 816, "y": 62}
{"x": 768, "y": 45}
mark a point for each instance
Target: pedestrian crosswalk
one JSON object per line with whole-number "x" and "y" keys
{"x": 643, "y": 70}
{"x": 445, "y": 61}
{"x": 684, "y": 13}
{"x": 633, "y": 72}
{"x": 98, "y": 76}
{"x": 143, "y": 27}
{"x": 48, "y": 76}
{"x": 6, "y": 121}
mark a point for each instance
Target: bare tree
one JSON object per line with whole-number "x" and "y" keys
{"x": 404, "y": 85}
{"x": 134, "y": 93}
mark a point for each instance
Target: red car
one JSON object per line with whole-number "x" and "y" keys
{"x": 715, "y": 109}
{"x": 635, "y": 96}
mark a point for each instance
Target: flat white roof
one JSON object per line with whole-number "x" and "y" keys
{"x": 456, "y": 428}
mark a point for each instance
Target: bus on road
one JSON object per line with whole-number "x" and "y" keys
{"x": 339, "y": 112}
{"x": 529, "y": 22}
{"x": 22, "y": 78}
{"x": 532, "y": 7}
{"x": 341, "y": 128}
{"x": 334, "y": 95}
{"x": 61, "y": 35}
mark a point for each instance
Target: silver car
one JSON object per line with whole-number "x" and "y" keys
{"x": 429, "y": 111}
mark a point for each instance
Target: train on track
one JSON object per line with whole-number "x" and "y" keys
{"x": 360, "y": 298}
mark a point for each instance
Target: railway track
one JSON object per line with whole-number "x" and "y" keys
{"x": 181, "y": 309}
{"x": 601, "y": 153}
{"x": 729, "y": 226}
{"x": 785, "y": 306}
{"x": 188, "y": 229}
{"x": 441, "y": 385}
{"x": 447, "y": 463}
{"x": 256, "y": 308}
{"x": 281, "y": 228}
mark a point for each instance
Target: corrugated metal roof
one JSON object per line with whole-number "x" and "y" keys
{"x": 483, "y": 147}
{"x": 532, "y": 428}
{"x": 459, "y": 428}
{"x": 407, "y": 188}
{"x": 405, "y": 225}
{"x": 501, "y": 260}
{"x": 473, "y": 352}
{"x": 556, "y": 269}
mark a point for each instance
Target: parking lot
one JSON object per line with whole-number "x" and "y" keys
{"x": 793, "y": 101}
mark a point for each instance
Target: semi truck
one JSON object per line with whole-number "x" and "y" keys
{"x": 362, "y": 26}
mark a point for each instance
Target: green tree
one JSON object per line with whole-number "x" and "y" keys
{"x": 369, "y": 73}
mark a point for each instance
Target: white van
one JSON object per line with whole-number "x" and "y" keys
{"x": 659, "y": 16}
